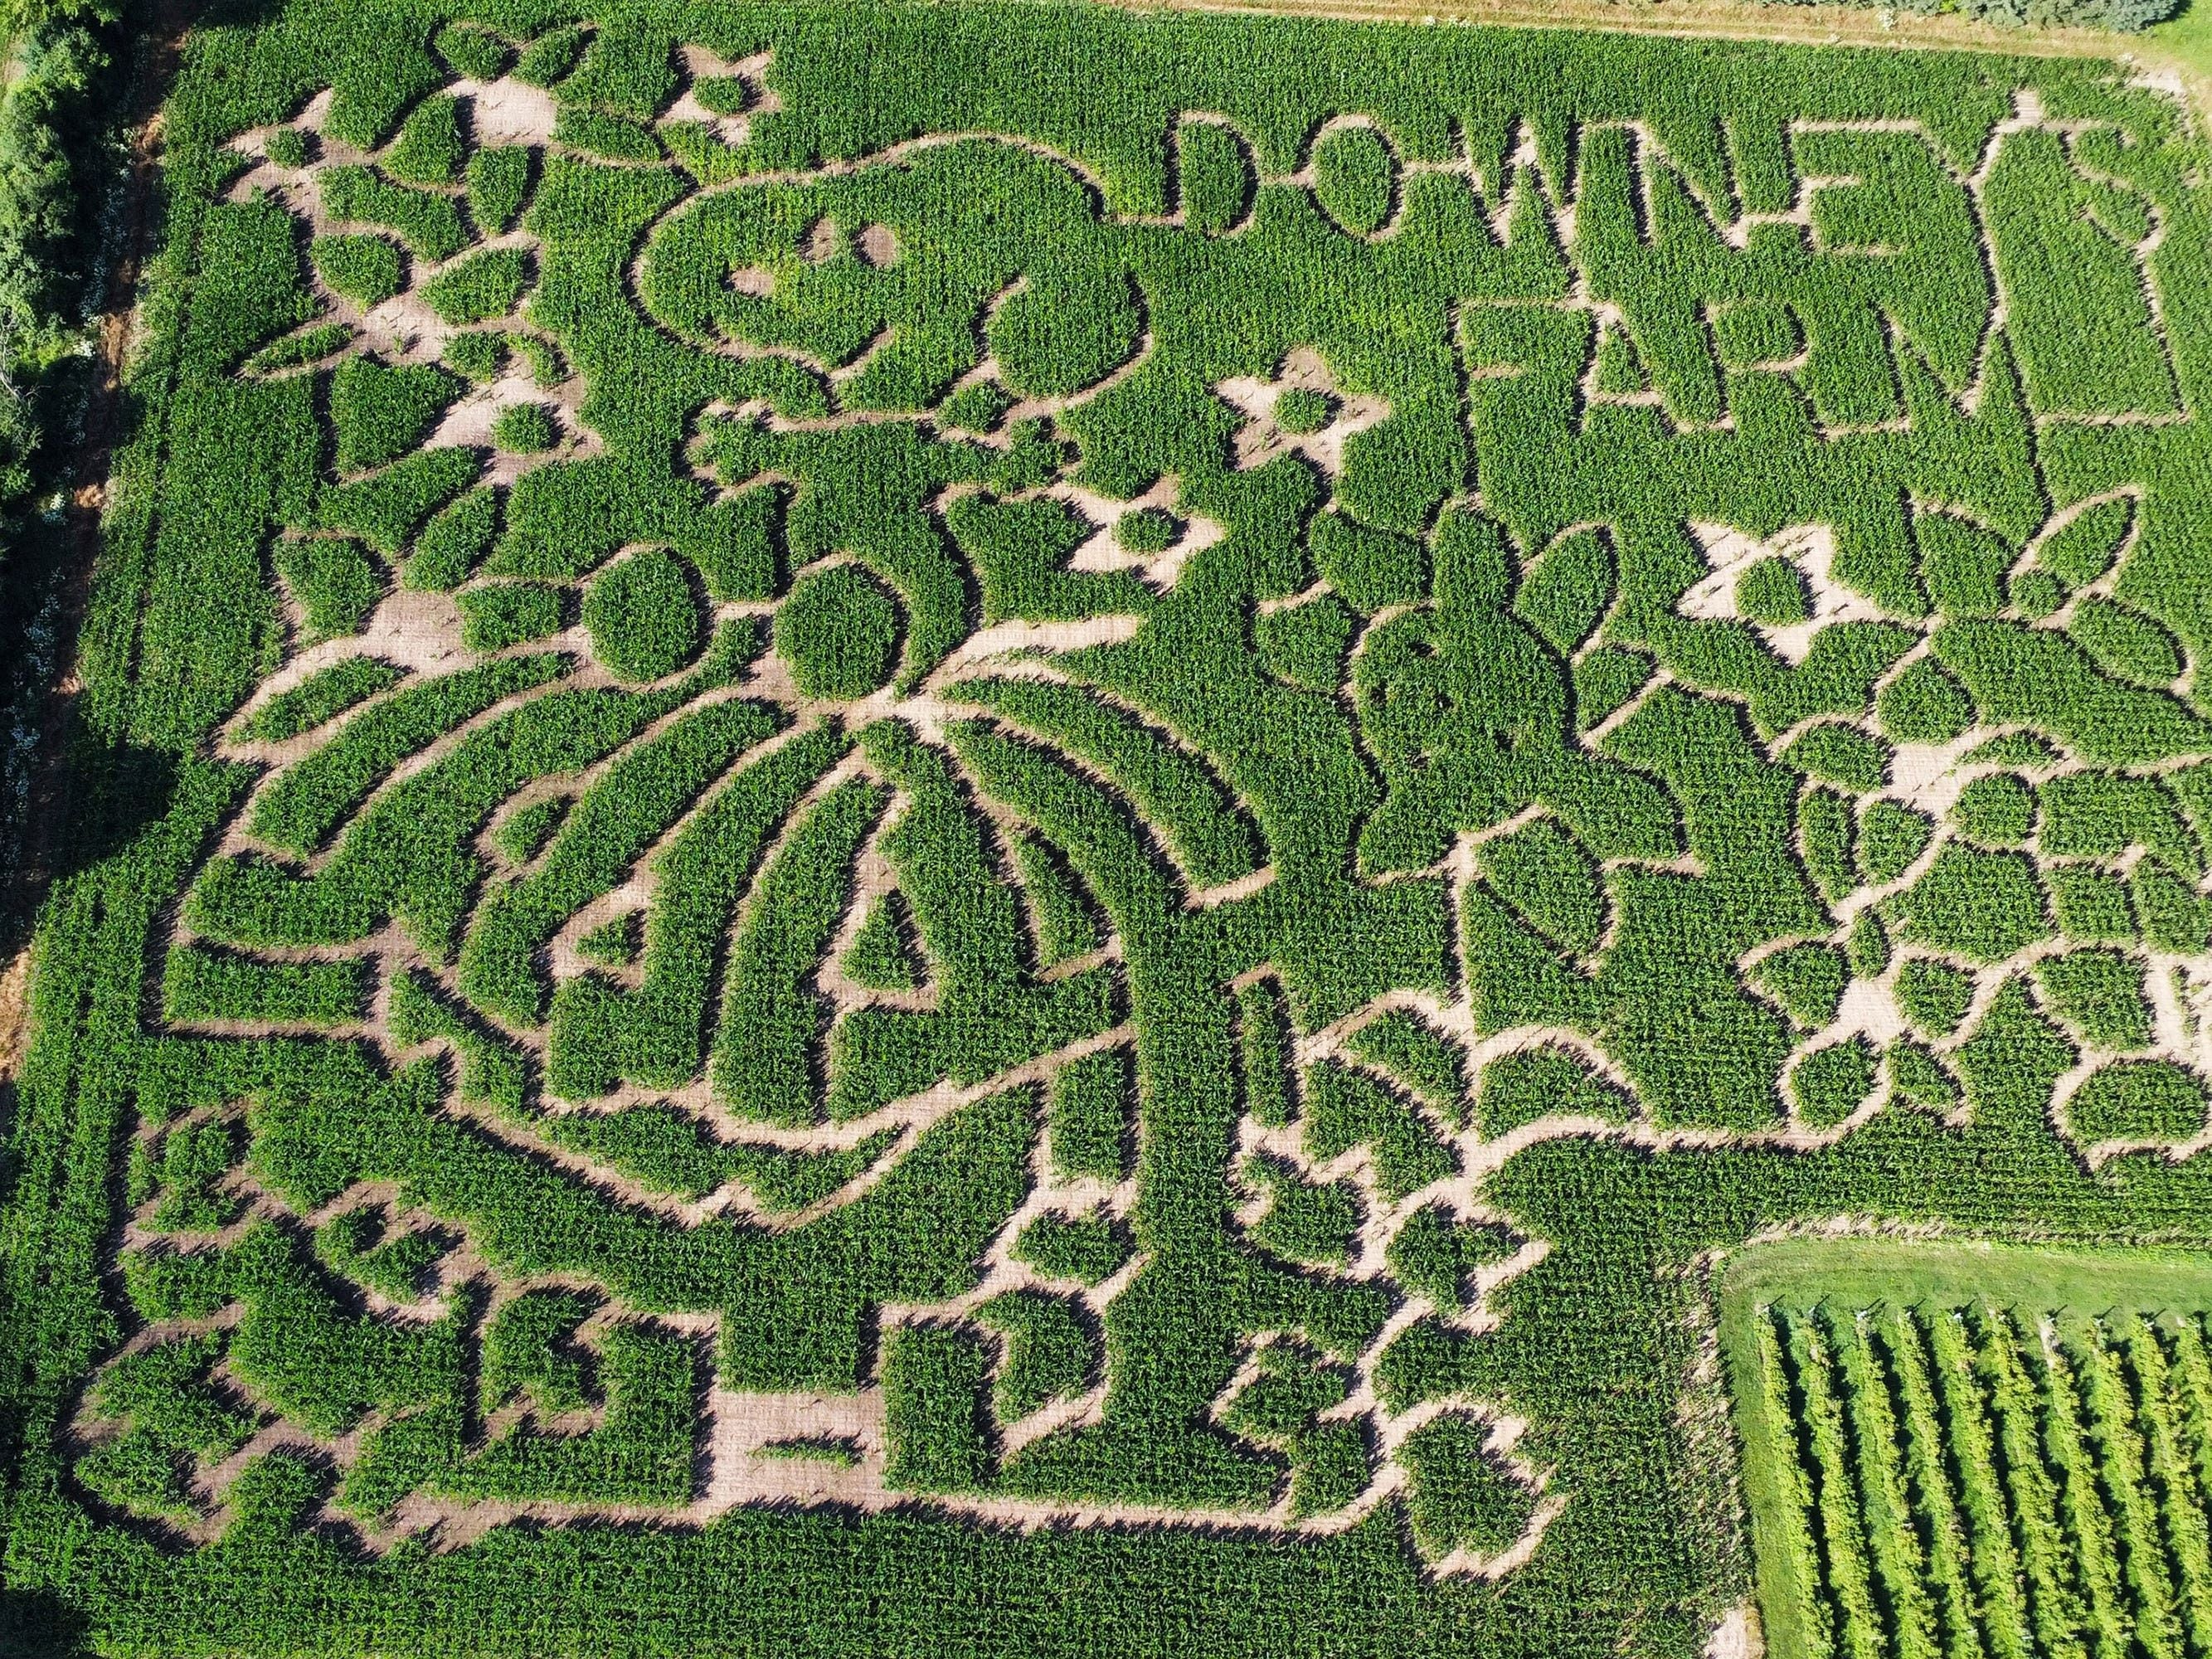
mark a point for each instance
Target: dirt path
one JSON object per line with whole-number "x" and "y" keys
{"x": 15, "y": 1011}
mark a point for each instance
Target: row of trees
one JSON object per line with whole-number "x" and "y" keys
{"x": 61, "y": 154}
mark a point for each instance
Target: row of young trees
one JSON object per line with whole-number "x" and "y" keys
{"x": 1989, "y": 1480}
{"x": 60, "y": 149}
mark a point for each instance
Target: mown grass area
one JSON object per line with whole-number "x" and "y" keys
{"x": 2187, "y": 38}
{"x": 1860, "y": 1271}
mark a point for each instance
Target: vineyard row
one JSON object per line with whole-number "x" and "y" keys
{"x": 1988, "y": 1483}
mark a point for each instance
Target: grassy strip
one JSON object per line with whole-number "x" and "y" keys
{"x": 602, "y": 1033}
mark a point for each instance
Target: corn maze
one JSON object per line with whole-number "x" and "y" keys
{"x": 1016, "y": 830}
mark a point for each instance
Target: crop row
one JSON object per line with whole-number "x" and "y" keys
{"x": 1989, "y": 1481}
{"x": 1310, "y": 745}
